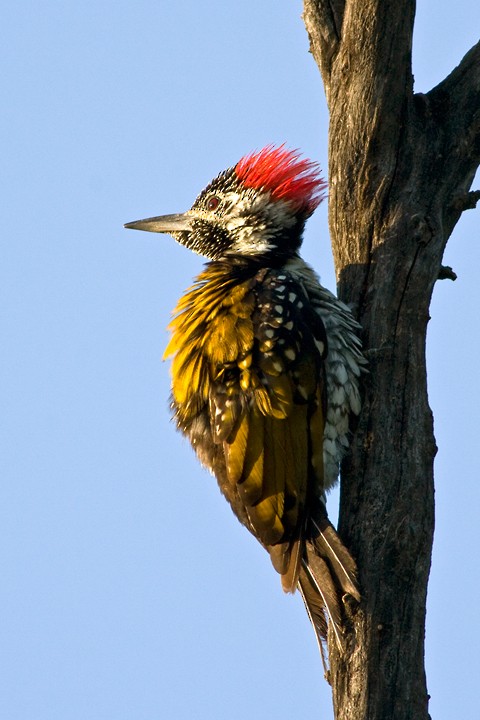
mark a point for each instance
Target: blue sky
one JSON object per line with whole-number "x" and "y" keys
{"x": 129, "y": 592}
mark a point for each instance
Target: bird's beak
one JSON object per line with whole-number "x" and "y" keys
{"x": 163, "y": 224}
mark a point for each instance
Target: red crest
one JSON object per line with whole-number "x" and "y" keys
{"x": 285, "y": 174}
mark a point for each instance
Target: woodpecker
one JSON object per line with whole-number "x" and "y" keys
{"x": 266, "y": 368}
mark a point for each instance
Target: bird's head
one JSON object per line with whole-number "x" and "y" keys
{"x": 256, "y": 209}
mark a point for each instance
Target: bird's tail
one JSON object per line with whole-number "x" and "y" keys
{"x": 328, "y": 572}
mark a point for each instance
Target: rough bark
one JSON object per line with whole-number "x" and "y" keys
{"x": 400, "y": 169}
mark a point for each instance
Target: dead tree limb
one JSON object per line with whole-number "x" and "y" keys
{"x": 400, "y": 170}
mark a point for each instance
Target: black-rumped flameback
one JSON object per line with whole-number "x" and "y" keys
{"x": 265, "y": 370}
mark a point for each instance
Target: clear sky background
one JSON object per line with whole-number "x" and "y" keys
{"x": 128, "y": 590}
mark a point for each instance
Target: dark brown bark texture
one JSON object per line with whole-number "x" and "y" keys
{"x": 400, "y": 170}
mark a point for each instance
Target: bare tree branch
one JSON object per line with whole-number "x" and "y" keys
{"x": 323, "y": 21}
{"x": 455, "y": 108}
{"x": 457, "y": 102}
{"x": 447, "y": 273}
{"x": 373, "y": 70}
{"x": 400, "y": 170}
{"x": 467, "y": 201}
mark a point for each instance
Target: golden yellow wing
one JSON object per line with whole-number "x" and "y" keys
{"x": 248, "y": 391}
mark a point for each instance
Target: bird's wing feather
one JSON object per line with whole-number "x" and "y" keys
{"x": 248, "y": 389}
{"x": 267, "y": 401}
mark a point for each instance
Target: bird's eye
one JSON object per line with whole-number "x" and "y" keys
{"x": 213, "y": 202}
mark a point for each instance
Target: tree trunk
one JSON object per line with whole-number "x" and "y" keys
{"x": 400, "y": 168}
